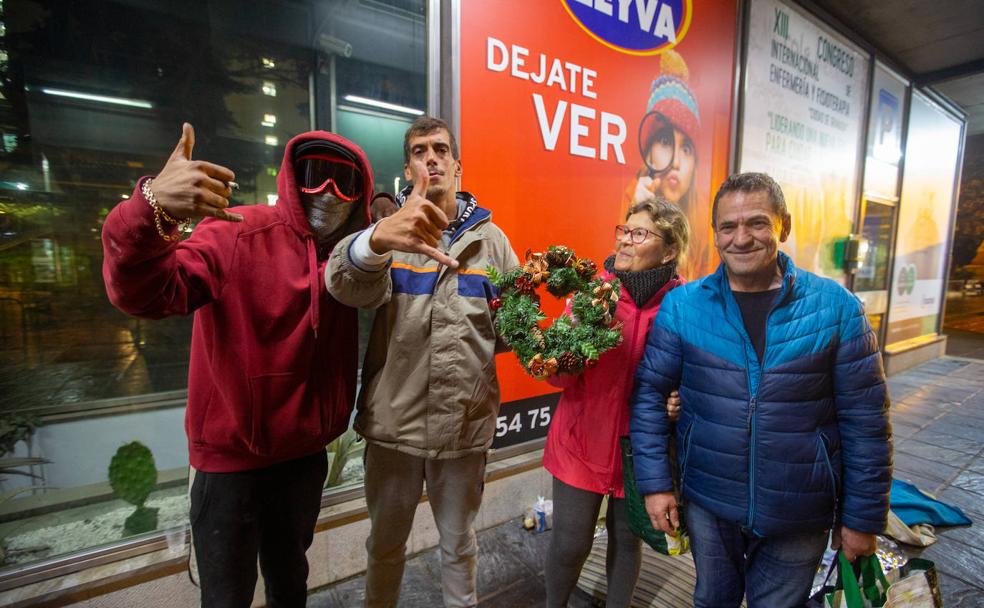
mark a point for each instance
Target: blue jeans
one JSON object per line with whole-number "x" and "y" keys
{"x": 773, "y": 572}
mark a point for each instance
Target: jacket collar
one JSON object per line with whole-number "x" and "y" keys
{"x": 472, "y": 216}
{"x": 718, "y": 282}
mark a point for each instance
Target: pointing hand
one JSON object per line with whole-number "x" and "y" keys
{"x": 416, "y": 227}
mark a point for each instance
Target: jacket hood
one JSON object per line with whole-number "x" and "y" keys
{"x": 289, "y": 198}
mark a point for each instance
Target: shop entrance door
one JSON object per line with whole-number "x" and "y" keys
{"x": 872, "y": 279}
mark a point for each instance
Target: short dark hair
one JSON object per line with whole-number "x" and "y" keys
{"x": 425, "y": 125}
{"x": 751, "y": 182}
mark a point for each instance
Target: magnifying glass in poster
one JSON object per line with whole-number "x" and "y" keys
{"x": 656, "y": 143}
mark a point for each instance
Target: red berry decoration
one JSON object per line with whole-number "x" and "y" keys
{"x": 589, "y": 363}
{"x": 495, "y": 304}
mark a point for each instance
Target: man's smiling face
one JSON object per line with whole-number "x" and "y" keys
{"x": 747, "y": 233}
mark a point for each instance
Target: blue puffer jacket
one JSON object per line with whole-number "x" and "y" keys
{"x": 779, "y": 447}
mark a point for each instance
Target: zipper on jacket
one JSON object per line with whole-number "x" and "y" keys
{"x": 753, "y": 394}
{"x": 830, "y": 471}
{"x": 751, "y": 462}
{"x": 683, "y": 453}
{"x": 751, "y": 412}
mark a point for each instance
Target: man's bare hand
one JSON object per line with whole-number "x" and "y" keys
{"x": 854, "y": 544}
{"x": 416, "y": 227}
{"x": 662, "y": 509}
{"x": 188, "y": 188}
{"x": 673, "y": 406}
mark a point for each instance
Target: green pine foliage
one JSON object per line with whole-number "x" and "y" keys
{"x": 563, "y": 282}
{"x": 571, "y": 339}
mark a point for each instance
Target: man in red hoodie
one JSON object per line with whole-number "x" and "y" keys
{"x": 273, "y": 356}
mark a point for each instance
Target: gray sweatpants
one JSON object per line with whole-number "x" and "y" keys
{"x": 394, "y": 483}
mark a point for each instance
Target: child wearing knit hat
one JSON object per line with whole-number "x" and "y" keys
{"x": 666, "y": 136}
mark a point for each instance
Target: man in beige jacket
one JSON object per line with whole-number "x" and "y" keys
{"x": 429, "y": 395}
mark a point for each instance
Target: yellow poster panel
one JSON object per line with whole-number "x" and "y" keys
{"x": 932, "y": 150}
{"x": 805, "y": 92}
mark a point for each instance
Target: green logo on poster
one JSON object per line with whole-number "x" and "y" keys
{"x": 906, "y": 281}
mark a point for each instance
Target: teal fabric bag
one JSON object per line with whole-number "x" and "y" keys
{"x": 913, "y": 506}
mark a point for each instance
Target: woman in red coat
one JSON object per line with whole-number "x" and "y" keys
{"x": 582, "y": 451}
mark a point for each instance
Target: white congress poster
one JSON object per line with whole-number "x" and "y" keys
{"x": 804, "y": 103}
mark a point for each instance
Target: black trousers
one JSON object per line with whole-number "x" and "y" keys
{"x": 267, "y": 512}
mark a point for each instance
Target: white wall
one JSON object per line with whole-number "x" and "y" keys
{"x": 80, "y": 450}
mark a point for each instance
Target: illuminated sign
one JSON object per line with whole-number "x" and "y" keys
{"x": 636, "y": 27}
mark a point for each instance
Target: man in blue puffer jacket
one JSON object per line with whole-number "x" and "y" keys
{"x": 784, "y": 432}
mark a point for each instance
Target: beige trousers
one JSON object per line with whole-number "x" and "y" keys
{"x": 394, "y": 483}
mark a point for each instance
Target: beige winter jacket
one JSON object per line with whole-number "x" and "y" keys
{"x": 429, "y": 385}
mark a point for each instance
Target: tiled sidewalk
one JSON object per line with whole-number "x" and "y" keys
{"x": 938, "y": 420}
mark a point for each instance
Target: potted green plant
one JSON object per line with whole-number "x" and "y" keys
{"x": 133, "y": 476}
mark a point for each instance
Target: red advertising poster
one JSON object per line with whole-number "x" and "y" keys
{"x": 555, "y": 98}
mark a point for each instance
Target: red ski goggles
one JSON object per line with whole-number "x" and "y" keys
{"x": 317, "y": 171}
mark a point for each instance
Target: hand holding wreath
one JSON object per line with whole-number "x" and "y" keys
{"x": 571, "y": 343}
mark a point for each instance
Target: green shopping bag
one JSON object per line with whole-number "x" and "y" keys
{"x": 866, "y": 589}
{"x": 638, "y": 518}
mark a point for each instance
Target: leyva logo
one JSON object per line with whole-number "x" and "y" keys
{"x": 636, "y": 27}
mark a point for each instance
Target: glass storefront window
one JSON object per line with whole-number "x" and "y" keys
{"x": 93, "y": 96}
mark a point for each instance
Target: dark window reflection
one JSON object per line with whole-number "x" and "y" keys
{"x": 93, "y": 96}
{"x": 877, "y": 229}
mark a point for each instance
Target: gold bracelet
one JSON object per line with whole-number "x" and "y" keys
{"x": 159, "y": 213}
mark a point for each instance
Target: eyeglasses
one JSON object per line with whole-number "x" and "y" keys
{"x": 317, "y": 171}
{"x": 639, "y": 235}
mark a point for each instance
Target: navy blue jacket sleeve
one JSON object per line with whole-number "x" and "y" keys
{"x": 658, "y": 374}
{"x": 861, "y": 399}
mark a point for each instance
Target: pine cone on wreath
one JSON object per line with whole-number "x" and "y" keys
{"x": 524, "y": 284}
{"x": 569, "y": 362}
{"x": 538, "y": 334}
{"x": 559, "y": 256}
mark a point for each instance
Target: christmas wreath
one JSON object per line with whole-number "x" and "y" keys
{"x": 571, "y": 343}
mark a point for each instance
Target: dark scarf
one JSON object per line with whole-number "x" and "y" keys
{"x": 642, "y": 285}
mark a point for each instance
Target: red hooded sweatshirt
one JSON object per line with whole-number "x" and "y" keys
{"x": 273, "y": 356}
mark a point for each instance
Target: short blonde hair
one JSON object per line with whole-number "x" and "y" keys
{"x": 671, "y": 221}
